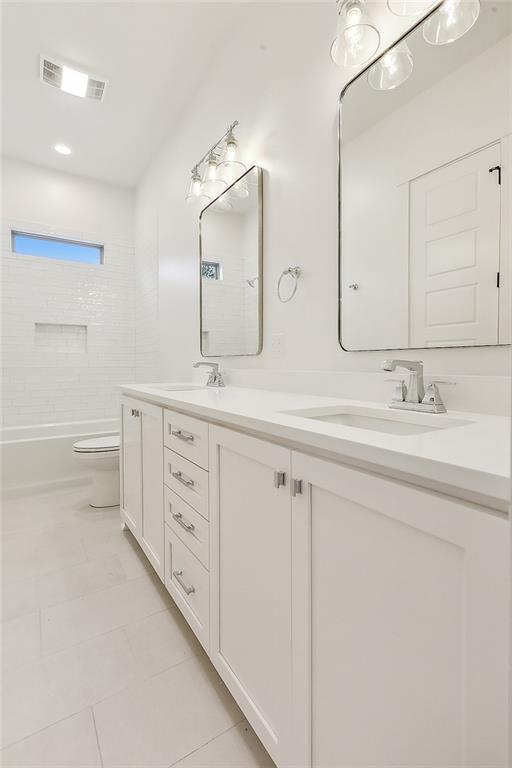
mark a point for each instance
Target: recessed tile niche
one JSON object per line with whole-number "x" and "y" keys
{"x": 62, "y": 337}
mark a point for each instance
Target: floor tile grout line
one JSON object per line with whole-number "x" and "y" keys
{"x": 101, "y": 634}
{"x": 143, "y": 680}
{"x": 45, "y": 728}
{"x": 97, "y": 736}
{"x": 70, "y": 599}
{"x": 214, "y": 738}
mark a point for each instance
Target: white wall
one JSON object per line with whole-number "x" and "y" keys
{"x": 68, "y": 329}
{"x": 275, "y": 76}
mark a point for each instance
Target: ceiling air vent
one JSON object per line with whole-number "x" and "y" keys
{"x": 71, "y": 80}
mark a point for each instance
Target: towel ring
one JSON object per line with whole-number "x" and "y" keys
{"x": 294, "y": 272}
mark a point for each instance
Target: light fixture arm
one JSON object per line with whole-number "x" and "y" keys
{"x": 214, "y": 146}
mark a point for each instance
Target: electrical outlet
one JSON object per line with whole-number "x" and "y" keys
{"x": 277, "y": 345}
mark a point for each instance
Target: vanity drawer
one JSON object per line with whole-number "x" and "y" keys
{"x": 188, "y": 525}
{"x": 187, "y": 581}
{"x": 186, "y": 436}
{"x": 188, "y": 480}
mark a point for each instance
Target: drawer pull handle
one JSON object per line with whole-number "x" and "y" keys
{"x": 186, "y": 436}
{"x": 183, "y": 521}
{"x": 183, "y": 479}
{"x": 187, "y": 590}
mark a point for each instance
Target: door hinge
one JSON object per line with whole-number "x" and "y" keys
{"x": 296, "y": 487}
{"x": 496, "y": 168}
{"x": 279, "y": 479}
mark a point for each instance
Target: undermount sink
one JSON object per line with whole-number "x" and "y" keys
{"x": 376, "y": 420}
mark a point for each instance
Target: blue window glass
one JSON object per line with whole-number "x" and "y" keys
{"x": 56, "y": 248}
{"x": 210, "y": 270}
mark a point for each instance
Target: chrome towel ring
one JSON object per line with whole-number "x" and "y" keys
{"x": 295, "y": 273}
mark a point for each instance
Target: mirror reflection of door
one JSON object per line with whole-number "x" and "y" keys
{"x": 425, "y": 227}
{"x": 454, "y": 253}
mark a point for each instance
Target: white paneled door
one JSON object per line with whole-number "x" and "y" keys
{"x": 455, "y": 252}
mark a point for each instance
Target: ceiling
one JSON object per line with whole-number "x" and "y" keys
{"x": 153, "y": 56}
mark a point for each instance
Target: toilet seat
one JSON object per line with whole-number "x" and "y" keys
{"x": 107, "y": 444}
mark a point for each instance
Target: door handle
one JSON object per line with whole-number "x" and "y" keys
{"x": 183, "y": 479}
{"x": 187, "y": 590}
{"x": 279, "y": 479}
{"x": 189, "y": 527}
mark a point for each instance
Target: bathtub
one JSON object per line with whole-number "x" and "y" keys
{"x": 42, "y": 455}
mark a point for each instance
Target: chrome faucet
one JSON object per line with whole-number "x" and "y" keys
{"x": 413, "y": 396}
{"x": 215, "y": 378}
{"x": 415, "y": 391}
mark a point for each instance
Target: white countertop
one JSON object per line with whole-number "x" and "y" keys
{"x": 470, "y": 461}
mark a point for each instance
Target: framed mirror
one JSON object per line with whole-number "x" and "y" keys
{"x": 425, "y": 192}
{"x": 231, "y": 270}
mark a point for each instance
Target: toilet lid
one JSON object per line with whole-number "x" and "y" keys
{"x": 98, "y": 444}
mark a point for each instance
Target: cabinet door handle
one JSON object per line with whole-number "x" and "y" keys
{"x": 183, "y": 521}
{"x": 181, "y": 435}
{"x": 187, "y": 590}
{"x": 279, "y": 479}
{"x": 183, "y": 479}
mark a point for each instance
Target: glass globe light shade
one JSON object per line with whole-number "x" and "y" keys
{"x": 196, "y": 196}
{"x": 392, "y": 69}
{"x": 356, "y": 38}
{"x": 213, "y": 185}
{"x": 231, "y": 170}
{"x": 452, "y": 20}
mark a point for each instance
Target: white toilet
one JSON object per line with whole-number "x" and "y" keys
{"x": 101, "y": 455}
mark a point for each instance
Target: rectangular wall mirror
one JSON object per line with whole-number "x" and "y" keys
{"x": 231, "y": 258}
{"x": 425, "y": 192}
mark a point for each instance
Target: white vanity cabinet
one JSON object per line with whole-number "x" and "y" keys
{"x": 356, "y": 620}
{"x": 406, "y": 622}
{"x": 142, "y": 505}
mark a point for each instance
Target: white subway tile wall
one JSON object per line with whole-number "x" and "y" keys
{"x": 146, "y": 302}
{"x": 68, "y": 330}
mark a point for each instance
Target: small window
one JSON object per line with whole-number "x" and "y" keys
{"x": 210, "y": 270}
{"x": 56, "y": 248}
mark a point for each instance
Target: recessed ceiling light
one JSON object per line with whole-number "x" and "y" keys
{"x": 62, "y": 149}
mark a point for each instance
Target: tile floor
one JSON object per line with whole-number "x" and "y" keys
{"x": 100, "y": 670}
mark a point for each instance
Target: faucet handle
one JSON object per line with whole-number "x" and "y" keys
{"x": 400, "y": 391}
{"x": 441, "y": 381}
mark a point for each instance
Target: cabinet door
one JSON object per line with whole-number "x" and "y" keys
{"x": 408, "y": 598}
{"x": 250, "y": 576}
{"x": 152, "y": 533}
{"x": 131, "y": 465}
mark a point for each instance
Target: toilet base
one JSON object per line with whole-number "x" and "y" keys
{"x": 105, "y": 488}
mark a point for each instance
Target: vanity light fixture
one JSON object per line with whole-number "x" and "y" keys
{"x": 357, "y": 39}
{"x": 452, "y": 20}
{"x": 221, "y": 169}
{"x": 62, "y": 149}
{"x": 392, "y": 69}
{"x": 409, "y": 7}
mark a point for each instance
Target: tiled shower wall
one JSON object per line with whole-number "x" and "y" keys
{"x": 68, "y": 330}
